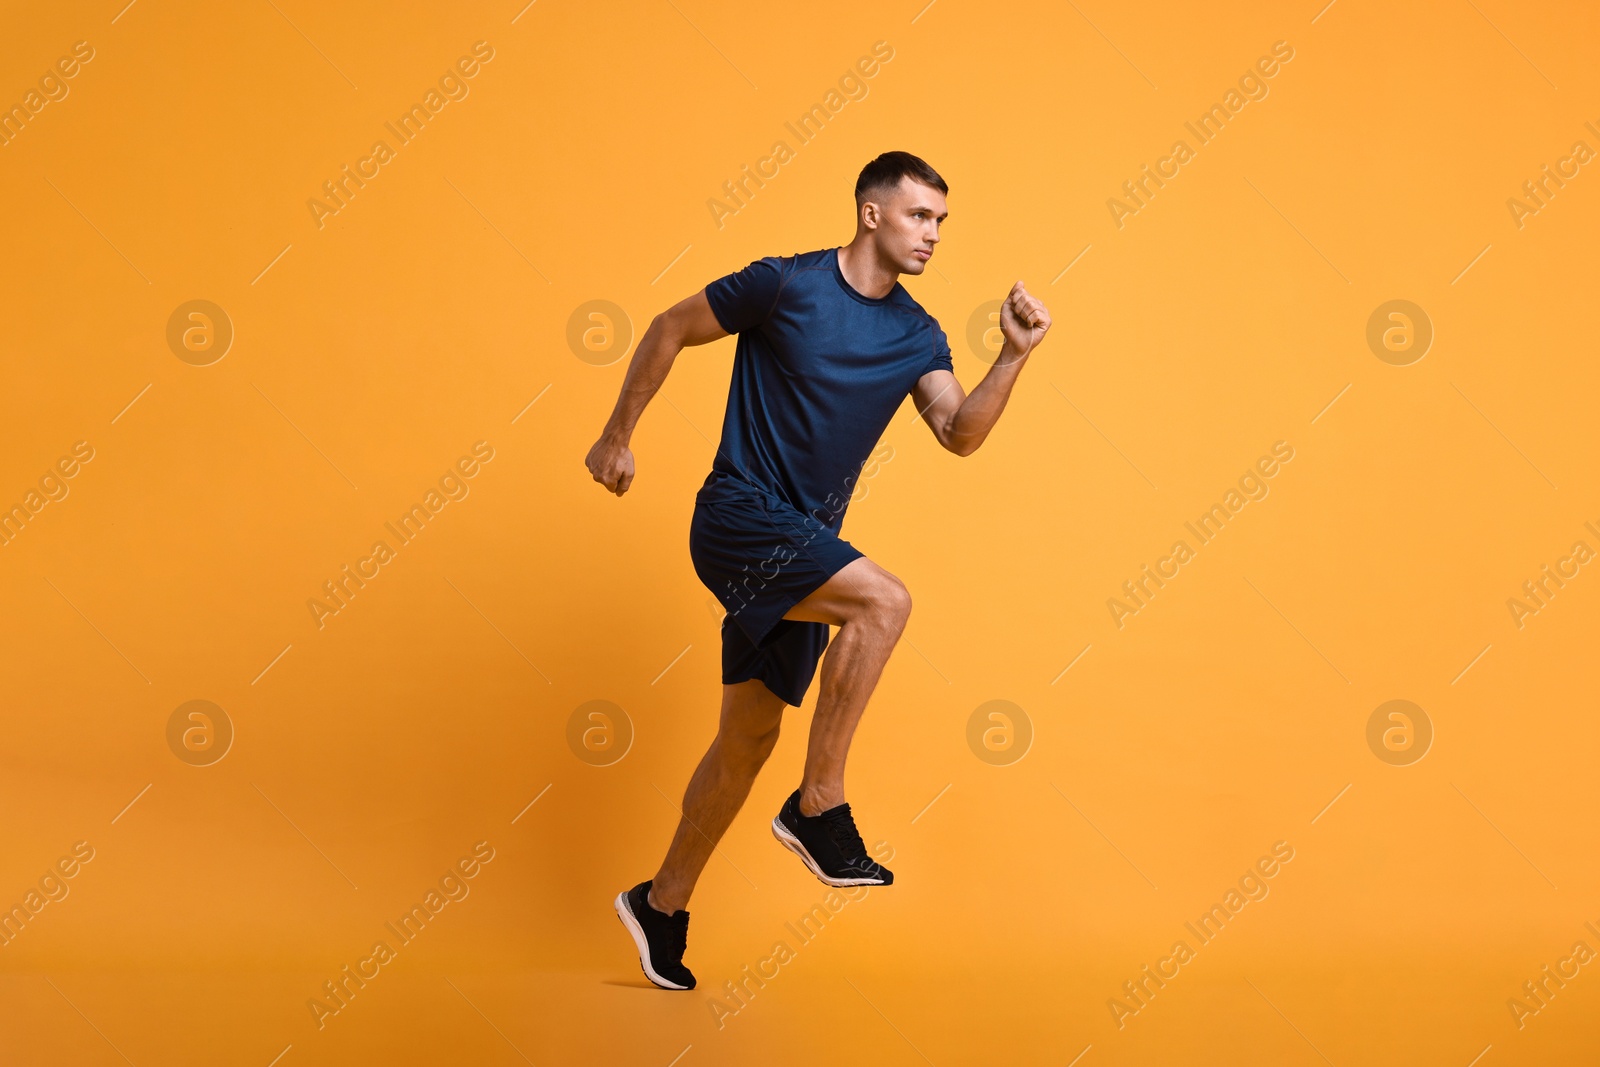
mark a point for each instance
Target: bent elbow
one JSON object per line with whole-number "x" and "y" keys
{"x": 674, "y": 328}
{"x": 963, "y": 446}
{"x": 661, "y": 325}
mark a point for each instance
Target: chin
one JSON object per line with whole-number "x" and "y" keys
{"x": 915, "y": 266}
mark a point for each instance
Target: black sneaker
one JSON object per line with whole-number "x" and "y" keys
{"x": 661, "y": 938}
{"x": 828, "y": 845}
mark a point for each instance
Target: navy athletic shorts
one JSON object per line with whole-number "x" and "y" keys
{"x": 761, "y": 557}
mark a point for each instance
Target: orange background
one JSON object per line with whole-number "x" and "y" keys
{"x": 370, "y": 354}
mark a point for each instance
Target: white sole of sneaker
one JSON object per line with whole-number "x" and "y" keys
{"x": 635, "y": 931}
{"x": 792, "y": 843}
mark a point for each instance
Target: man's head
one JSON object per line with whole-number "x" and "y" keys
{"x": 900, "y": 202}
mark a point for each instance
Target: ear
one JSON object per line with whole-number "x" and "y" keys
{"x": 871, "y": 215}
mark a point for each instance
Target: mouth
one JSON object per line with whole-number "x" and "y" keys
{"x": 923, "y": 254}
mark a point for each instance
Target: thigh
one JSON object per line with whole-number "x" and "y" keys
{"x": 784, "y": 663}
{"x": 845, "y": 596}
{"x": 760, "y": 558}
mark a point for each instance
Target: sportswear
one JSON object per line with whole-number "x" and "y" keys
{"x": 659, "y": 937}
{"x": 828, "y": 844}
{"x": 819, "y": 370}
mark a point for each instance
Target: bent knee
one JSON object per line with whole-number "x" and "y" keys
{"x": 748, "y": 750}
{"x": 890, "y": 602}
{"x": 752, "y": 737}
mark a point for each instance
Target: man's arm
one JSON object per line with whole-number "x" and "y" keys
{"x": 688, "y": 322}
{"x": 961, "y": 422}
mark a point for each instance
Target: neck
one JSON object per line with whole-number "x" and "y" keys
{"x": 863, "y": 270}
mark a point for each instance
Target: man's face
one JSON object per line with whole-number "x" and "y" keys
{"x": 908, "y": 224}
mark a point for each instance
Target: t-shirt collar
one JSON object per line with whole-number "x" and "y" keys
{"x": 850, "y": 290}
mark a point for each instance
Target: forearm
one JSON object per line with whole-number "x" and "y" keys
{"x": 978, "y": 413}
{"x": 657, "y": 350}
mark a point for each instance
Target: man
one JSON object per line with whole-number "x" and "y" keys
{"x": 830, "y": 344}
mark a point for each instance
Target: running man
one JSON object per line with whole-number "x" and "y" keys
{"x": 830, "y": 344}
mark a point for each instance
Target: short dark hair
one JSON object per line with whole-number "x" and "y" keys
{"x": 886, "y": 171}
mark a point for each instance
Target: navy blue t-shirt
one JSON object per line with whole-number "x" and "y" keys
{"x": 818, "y": 372}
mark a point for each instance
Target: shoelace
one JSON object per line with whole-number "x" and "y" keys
{"x": 842, "y": 828}
{"x": 678, "y": 935}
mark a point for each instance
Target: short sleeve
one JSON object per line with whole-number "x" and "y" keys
{"x": 743, "y": 300}
{"x": 941, "y": 349}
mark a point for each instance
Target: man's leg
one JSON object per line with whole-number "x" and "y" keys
{"x": 751, "y": 714}
{"x": 870, "y": 606}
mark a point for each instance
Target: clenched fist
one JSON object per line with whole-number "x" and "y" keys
{"x": 1023, "y": 320}
{"x": 611, "y": 463}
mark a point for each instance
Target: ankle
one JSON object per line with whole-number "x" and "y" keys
{"x": 814, "y": 800}
{"x": 659, "y": 904}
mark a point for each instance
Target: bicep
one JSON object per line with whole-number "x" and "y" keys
{"x": 938, "y": 396}
{"x": 692, "y": 321}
